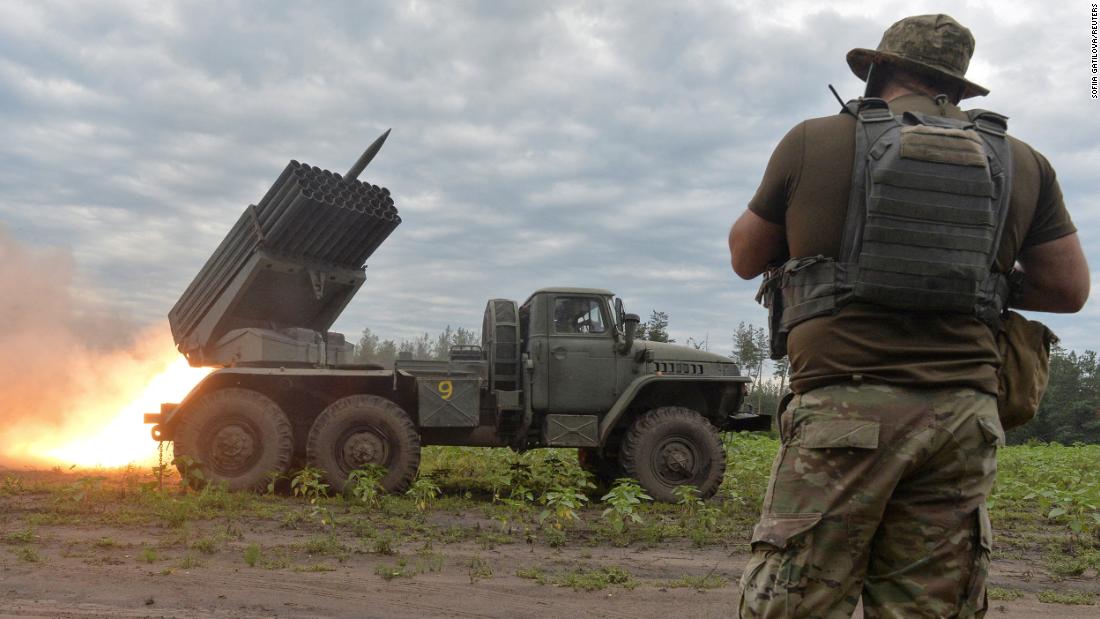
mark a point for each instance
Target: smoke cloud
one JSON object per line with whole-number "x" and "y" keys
{"x": 67, "y": 365}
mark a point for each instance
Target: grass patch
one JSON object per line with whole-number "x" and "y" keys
{"x": 105, "y": 542}
{"x": 597, "y": 579}
{"x": 1002, "y": 594}
{"x": 403, "y": 568}
{"x": 326, "y": 545}
{"x": 26, "y": 536}
{"x": 536, "y": 574}
{"x": 384, "y": 544}
{"x": 189, "y": 561}
{"x": 252, "y": 554}
{"x": 28, "y": 555}
{"x": 581, "y": 579}
{"x": 479, "y": 569}
{"x": 314, "y": 567}
{"x": 206, "y": 545}
{"x": 1042, "y": 509}
{"x": 1068, "y": 596}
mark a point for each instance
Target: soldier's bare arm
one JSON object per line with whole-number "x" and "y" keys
{"x": 754, "y": 243}
{"x": 1056, "y": 276}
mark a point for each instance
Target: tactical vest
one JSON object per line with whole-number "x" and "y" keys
{"x": 928, "y": 205}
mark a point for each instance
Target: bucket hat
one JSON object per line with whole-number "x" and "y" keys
{"x": 932, "y": 45}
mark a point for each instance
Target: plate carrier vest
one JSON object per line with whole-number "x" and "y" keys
{"x": 927, "y": 209}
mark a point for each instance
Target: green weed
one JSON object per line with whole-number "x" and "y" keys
{"x": 624, "y": 498}
{"x": 562, "y": 504}
{"x": 309, "y": 484}
{"x": 699, "y": 583}
{"x": 28, "y": 554}
{"x": 26, "y": 536}
{"x": 423, "y": 492}
{"x": 364, "y": 485}
{"x": 384, "y": 544}
{"x": 596, "y": 579}
{"x": 191, "y": 475}
{"x": 325, "y": 545}
{"x": 1003, "y": 594}
{"x": 479, "y": 569}
{"x": 400, "y": 569}
{"x": 105, "y": 542}
{"x": 206, "y": 545}
{"x": 81, "y": 492}
{"x": 11, "y": 485}
{"x": 314, "y": 567}
{"x": 536, "y": 574}
{"x": 1068, "y": 596}
{"x": 252, "y": 554}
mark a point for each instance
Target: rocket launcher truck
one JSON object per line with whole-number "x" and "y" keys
{"x": 561, "y": 369}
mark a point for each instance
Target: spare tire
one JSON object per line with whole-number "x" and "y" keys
{"x": 500, "y": 338}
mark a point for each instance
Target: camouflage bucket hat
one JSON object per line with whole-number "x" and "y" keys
{"x": 934, "y": 45}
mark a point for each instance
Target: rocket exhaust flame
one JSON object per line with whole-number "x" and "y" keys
{"x": 108, "y": 430}
{"x": 67, "y": 396}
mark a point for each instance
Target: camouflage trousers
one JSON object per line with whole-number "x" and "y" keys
{"x": 878, "y": 492}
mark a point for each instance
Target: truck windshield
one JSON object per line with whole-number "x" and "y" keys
{"x": 578, "y": 315}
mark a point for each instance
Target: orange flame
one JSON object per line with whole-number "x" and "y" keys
{"x": 71, "y": 390}
{"x": 102, "y": 420}
{"x": 123, "y": 438}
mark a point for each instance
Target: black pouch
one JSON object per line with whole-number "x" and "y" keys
{"x": 770, "y": 295}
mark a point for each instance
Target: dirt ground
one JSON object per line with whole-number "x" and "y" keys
{"x": 71, "y": 566}
{"x": 111, "y": 583}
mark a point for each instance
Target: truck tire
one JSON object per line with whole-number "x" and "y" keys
{"x": 235, "y": 437}
{"x": 605, "y": 469}
{"x": 674, "y": 446}
{"x": 364, "y": 429}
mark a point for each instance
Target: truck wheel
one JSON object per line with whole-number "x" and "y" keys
{"x": 674, "y": 446}
{"x": 364, "y": 429}
{"x": 605, "y": 469}
{"x": 235, "y": 437}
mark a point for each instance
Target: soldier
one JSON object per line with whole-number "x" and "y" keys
{"x": 902, "y": 217}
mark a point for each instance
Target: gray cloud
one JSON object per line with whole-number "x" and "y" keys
{"x": 605, "y": 145}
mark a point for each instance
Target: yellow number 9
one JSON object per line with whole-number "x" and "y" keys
{"x": 446, "y": 389}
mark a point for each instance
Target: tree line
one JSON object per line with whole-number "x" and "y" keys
{"x": 1069, "y": 412}
{"x": 372, "y": 349}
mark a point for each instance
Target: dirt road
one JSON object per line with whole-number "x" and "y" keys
{"x": 112, "y": 544}
{"x": 98, "y": 572}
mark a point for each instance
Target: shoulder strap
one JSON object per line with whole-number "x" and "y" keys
{"x": 873, "y": 120}
{"x": 989, "y": 122}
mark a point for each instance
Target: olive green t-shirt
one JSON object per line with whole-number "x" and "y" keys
{"x": 806, "y": 187}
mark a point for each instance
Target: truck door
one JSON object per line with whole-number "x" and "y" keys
{"x": 582, "y": 355}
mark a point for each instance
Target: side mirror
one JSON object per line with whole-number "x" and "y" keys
{"x": 631, "y": 321}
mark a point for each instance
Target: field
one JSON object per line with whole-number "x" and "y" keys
{"x": 482, "y": 533}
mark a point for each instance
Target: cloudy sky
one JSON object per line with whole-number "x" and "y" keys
{"x": 605, "y": 144}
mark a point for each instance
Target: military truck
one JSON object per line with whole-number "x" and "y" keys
{"x": 561, "y": 369}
